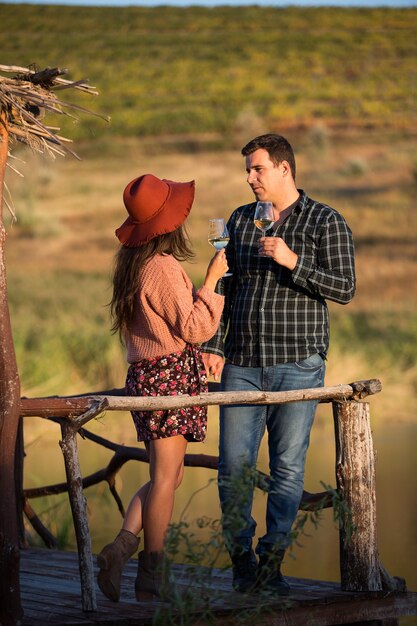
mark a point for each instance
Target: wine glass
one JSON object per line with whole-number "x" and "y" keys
{"x": 218, "y": 235}
{"x": 264, "y": 216}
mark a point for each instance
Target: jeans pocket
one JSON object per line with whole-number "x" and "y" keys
{"x": 311, "y": 364}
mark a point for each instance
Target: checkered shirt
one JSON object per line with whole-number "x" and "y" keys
{"x": 273, "y": 315}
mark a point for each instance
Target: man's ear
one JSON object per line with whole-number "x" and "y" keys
{"x": 286, "y": 170}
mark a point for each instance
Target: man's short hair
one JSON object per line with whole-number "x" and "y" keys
{"x": 278, "y": 148}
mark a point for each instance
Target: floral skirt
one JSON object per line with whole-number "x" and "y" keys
{"x": 176, "y": 374}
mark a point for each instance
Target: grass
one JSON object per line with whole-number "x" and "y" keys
{"x": 191, "y": 70}
{"x": 61, "y": 344}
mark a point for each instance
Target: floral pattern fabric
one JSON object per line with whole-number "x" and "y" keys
{"x": 176, "y": 374}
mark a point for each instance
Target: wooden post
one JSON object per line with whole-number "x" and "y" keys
{"x": 19, "y": 471}
{"x": 355, "y": 478}
{"x": 10, "y": 604}
{"x": 79, "y": 514}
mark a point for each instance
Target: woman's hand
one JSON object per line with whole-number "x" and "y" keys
{"x": 214, "y": 365}
{"x": 216, "y": 268}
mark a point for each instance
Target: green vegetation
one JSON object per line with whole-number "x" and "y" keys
{"x": 61, "y": 332}
{"x": 388, "y": 338}
{"x": 63, "y": 341}
{"x": 62, "y": 337}
{"x": 210, "y": 70}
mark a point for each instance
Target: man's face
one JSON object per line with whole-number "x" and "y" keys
{"x": 264, "y": 177}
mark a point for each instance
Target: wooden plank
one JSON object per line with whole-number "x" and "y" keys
{"x": 51, "y": 596}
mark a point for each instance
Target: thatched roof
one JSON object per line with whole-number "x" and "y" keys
{"x": 28, "y": 95}
{"x": 25, "y": 98}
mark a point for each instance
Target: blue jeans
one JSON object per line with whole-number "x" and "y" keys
{"x": 241, "y": 430}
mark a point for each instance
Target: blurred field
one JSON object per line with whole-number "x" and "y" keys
{"x": 60, "y": 252}
{"x": 222, "y": 70}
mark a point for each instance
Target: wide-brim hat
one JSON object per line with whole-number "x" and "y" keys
{"x": 155, "y": 206}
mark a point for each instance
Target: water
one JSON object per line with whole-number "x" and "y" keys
{"x": 318, "y": 555}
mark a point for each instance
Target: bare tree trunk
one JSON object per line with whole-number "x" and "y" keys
{"x": 10, "y": 605}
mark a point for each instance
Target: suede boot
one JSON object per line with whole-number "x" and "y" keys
{"x": 152, "y": 578}
{"x": 268, "y": 575}
{"x": 112, "y": 560}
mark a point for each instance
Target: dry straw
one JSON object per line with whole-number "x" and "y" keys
{"x": 25, "y": 99}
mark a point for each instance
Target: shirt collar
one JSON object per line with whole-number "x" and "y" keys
{"x": 302, "y": 201}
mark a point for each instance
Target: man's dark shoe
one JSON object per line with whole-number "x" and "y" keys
{"x": 268, "y": 574}
{"x": 244, "y": 571}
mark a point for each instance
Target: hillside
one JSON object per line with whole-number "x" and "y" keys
{"x": 218, "y": 70}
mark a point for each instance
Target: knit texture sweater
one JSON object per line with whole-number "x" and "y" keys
{"x": 169, "y": 312}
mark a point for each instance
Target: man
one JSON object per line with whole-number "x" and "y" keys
{"x": 274, "y": 336}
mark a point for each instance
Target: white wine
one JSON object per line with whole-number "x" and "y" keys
{"x": 219, "y": 242}
{"x": 263, "y": 224}
{"x": 218, "y": 235}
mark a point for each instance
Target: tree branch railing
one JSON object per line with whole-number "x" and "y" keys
{"x": 81, "y": 409}
{"x": 355, "y": 471}
{"x": 122, "y": 455}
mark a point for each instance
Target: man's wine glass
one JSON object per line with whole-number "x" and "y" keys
{"x": 218, "y": 235}
{"x": 264, "y": 216}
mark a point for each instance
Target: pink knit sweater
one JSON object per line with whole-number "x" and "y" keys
{"x": 169, "y": 311}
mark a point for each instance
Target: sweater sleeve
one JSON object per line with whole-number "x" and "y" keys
{"x": 193, "y": 316}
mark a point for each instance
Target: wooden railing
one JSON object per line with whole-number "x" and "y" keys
{"x": 360, "y": 567}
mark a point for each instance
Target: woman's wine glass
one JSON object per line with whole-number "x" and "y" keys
{"x": 218, "y": 235}
{"x": 264, "y": 216}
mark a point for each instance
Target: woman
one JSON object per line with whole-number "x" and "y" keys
{"x": 161, "y": 320}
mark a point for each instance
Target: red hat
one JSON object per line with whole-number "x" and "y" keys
{"x": 155, "y": 207}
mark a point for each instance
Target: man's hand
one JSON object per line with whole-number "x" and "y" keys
{"x": 277, "y": 249}
{"x": 213, "y": 364}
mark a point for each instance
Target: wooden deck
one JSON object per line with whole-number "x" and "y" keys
{"x": 51, "y": 594}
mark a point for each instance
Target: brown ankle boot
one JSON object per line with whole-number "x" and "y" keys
{"x": 112, "y": 560}
{"x": 152, "y": 578}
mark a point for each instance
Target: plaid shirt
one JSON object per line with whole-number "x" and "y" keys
{"x": 273, "y": 315}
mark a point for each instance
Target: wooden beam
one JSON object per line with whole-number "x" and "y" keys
{"x": 57, "y": 407}
{"x": 76, "y": 407}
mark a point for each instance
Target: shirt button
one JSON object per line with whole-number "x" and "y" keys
{"x": 261, "y": 309}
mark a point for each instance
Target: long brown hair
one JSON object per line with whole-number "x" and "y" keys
{"x": 127, "y": 266}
